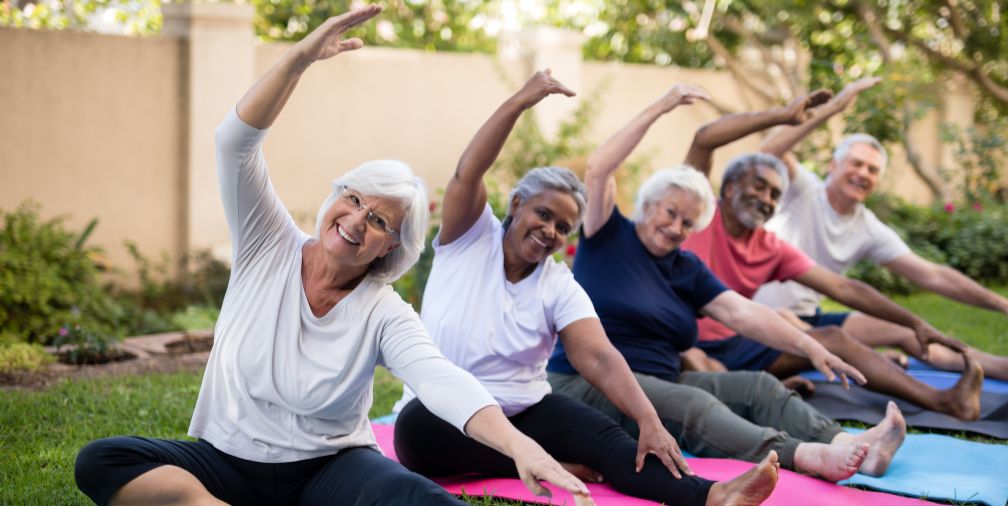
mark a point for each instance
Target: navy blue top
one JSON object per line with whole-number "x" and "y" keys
{"x": 648, "y": 305}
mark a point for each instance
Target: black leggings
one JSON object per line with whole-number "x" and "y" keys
{"x": 359, "y": 476}
{"x": 568, "y": 430}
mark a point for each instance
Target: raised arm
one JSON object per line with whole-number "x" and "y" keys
{"x": 263, "y": 102}
{"x": 602, "y": 164}
{"x": 466, "y": 194}
{"x": 731, "y": 127}
{"x": 599, "y": 362}
{"x": 763, "y": 324}
{"x": 782, "y": 140}
{"x": 868, "y": 300}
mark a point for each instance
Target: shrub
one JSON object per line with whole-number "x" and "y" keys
{"x": 23, "y": 357}
{"x": 972, "y": 239}
{"x": 48, "y": 279}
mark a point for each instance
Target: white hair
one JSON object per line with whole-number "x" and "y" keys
{"x": 744, "y": 164}
{"x": 848, "y": 142}
{"x": 390, "y": 179}
{"x": 685, "y": 178}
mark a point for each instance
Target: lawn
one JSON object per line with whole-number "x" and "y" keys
{"x": 41, "y": 431}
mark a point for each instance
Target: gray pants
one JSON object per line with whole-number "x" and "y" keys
{"x": 741, "y": 415}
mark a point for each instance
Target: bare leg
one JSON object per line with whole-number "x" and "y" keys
{"x": 749, "y": 488}
{"x": 961, "y": 401}
{"x": 831, "y": 462}
{"x": 874, "y": 333}
{"x": 884, "y": 438}
{"x": 165, "y": 485}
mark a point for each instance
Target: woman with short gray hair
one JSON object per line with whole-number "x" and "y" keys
{"x": 496, "y": 302}
{"x": 282, "y": 414}
{"x": 649, "y": 293}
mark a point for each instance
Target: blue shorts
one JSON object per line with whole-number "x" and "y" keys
{"x": 739, "y": 353}
{"x": 821, "y": 319}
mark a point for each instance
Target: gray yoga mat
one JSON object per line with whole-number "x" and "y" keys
{"x": 869, "y": 407}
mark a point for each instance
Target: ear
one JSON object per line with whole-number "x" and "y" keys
{"x": 388, "y": 250}
{"x": 729, "y": 189}
{"x": 515, "y": 202}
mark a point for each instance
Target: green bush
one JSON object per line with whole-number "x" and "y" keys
{"x": 49, "y": 280}
{"x": 164, "y": 302}
{"x": 972, "y": 239}
{"x": 23, "y": 357}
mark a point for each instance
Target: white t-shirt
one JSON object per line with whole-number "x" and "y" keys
{"x": 806, "y": 219}
{"x": 501, "y": 332}
{"x": 282, "y": 385}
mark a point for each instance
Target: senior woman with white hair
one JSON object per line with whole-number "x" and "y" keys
{"x": 648, "y": 294}
{"x": 496, "y": 302}
{"x": 281, "y": 416}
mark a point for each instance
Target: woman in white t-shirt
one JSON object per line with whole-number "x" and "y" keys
{"x": 495, "y": 303}
{"x": 282, "y": 412}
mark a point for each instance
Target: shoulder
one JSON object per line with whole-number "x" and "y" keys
{"x": 486, "y": 225}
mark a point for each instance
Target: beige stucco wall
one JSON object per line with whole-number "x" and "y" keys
{"x": 121, "y": 128}
{"x": 90, "y": 128}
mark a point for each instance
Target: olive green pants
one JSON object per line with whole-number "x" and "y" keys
{"x": 740, "y": 415}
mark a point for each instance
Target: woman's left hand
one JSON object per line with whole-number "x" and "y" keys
{"x": 831, "y": 365}
{"x": 654, "y": 439}
{"x": 534, "y": 464}
{"x": 327, "y": 40}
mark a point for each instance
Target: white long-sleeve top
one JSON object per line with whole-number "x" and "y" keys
{"x": 282, "y": 385}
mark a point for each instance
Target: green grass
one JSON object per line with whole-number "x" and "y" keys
{"x": 41, "y": 431}
{"x": 985, "y": 330}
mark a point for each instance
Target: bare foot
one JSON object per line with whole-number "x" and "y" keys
{"x": 884, "y": 438}
{"x": 833, "y": 462}
{"x": 803, "y": 386}
{"x": 749, "y": 488}
{"x": 583, "y": 472}
{"x": 963, "y": 400}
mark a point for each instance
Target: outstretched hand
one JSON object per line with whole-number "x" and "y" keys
{"x": 327, "y": 40}
{"x": 800, "y": 109}
{"x": 852, "y": 90}
{"x": 682, "y": 94}
{"x": 926, "y": 334}
{"x": 534, "y": 464}
{"x": 658, "y": 442}
{"x": 541, "y": 85}
{"x": 832, "y": 366}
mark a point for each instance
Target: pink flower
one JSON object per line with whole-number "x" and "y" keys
{"x": 977, "y": 206}
{"x": 949, "y": 207}
{"x": 63, "y": 331}
{"x": 571, "y": 250}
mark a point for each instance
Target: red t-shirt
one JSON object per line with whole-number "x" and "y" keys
{"x": 743, "y": 264}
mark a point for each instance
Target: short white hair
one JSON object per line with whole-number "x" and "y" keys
{"x": 395, "y": 180}
{"x": 842, "y": 149}
{"x": 745, "y": 164}
{"x": 685, "y": 178}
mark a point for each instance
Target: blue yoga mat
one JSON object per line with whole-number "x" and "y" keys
{"x": 944, "y": 468}
{"x": 930, "y": 376}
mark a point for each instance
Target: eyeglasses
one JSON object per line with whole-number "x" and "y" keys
{"x": 375, "y": 221}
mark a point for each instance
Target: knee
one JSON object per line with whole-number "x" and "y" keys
{"x": 833, "y": 338}
{"x": 92, "y": 463}
{"x": 767, "y": 383}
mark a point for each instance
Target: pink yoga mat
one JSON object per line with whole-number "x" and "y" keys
{"x": 792, "y": 488}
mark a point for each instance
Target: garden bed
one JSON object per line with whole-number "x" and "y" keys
{"x": 166, "y": 352}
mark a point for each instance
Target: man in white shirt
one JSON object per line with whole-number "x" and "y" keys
{"x": 827, "y": 220}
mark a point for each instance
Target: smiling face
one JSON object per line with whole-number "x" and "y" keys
{"x": 667, "y": 222}
{"x": 854, "y": 178}
{"x": 753, "y": 198}
{"x": 347, "y": 236}
{"x": 539, "y": 226}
